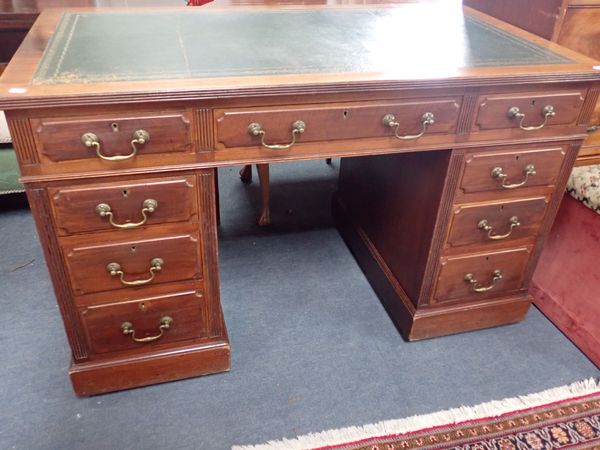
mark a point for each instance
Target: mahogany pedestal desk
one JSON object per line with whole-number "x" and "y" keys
{"x": 457, "y": 134}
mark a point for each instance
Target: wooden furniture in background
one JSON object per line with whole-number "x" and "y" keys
{"x": 15, "y": 22}
{"x": 17, "y": 17}
{"x": 572, "y": 23}
{"x": 452, "y": 166}
{"x": 542, "y": 17}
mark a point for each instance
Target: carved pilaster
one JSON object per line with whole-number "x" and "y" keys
{"x": 589, "y": 106}
{"x": 441, "y": 224}
{"x": 210, "y": 256}
{"x": 204, "y": 128}
{"x": 40, "y": 206}
{"x": 23, "y": 140}
{"x": 467, "y": 111}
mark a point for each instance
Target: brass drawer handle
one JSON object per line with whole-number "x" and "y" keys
{"x": 148, "y": 207}
{"x": 114, "y": 269}
{"x": 484, "y": 225}
{"x": 165, "y": 324}
{"x": 256, "y": 129}
{"x": 389, "y": 120}
{"x": 515, "y": 113}
{"x": 477, "y": 287}
{"x": 140, "y": 137}
{"x": 498, "y": 172}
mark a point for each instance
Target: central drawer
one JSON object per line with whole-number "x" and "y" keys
{"x": 337, "y": 122}
{"x": 112, "y": 261}
{"x": 145, "y": 322}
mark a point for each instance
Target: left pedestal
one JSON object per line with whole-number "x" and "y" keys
{"x": 133, "y": 260}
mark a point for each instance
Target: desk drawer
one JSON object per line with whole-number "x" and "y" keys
{"x": 512, "y": 169}
{"x": 100, "y": 264}
{"x": 341, "y": 121}
{"x": 505, "y": 221}
{"x": 112, "y": 137}
{"x": 481, "y": 276}
{"x": 122, "y": 205}
{"x": 500, "y": 111}
{"x": 145, "y": 322}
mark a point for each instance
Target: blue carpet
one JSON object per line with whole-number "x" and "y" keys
{"x": 312, "y": 348}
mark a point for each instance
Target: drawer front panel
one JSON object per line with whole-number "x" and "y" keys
{"x": 124, "y": 204}
{"x": 454, "y": 285}
{"x": 494, "y": 110}
{"x": 60, "y": 139}
{"x": 498, "y": 171}
{"x": 335, "y": 122}
{"x": 88, "y": 263}
{"x": 145, "y": 322}
{"x": 507, "y": 221}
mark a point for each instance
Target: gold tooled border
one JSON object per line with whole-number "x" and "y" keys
{"x": 69, "y": 21}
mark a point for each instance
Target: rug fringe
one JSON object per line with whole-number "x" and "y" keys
{"x": 415, "y": 423}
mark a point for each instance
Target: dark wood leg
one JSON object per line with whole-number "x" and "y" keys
{"x": 246, "y": 174}
{"x": 265, "y": 213}
{"x": 328, "y": 161}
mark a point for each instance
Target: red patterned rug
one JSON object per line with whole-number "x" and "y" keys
{"x": 560, "y": 418}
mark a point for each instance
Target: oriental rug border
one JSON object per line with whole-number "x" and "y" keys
{"x": 559, "y": 418}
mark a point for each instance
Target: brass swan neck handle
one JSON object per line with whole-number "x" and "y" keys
{"x": 115, "y": 270}
{"x": 256, "y": 129}
{"x": 128, "y": 330}
{"x": 91, "y": 140}
{"x": 478, "y": 287}
{"x": 515, "y": 113}
{"x": 427, "y": 119}
{"x": 148, "y": 207}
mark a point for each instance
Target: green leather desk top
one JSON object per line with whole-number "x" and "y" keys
{"x": 132, "y": 46}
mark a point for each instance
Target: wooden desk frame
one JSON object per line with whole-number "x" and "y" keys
{"x": 416, "y": 270}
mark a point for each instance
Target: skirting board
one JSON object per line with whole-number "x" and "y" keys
{"x": 90, "y": 378}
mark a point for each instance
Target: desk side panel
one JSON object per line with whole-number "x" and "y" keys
{"x": 394, "y": 199}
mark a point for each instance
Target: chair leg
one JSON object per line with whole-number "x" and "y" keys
{"x": 246, "y": 174}
{"x": 328, "y": 161}
{"x": 265, "y": 213}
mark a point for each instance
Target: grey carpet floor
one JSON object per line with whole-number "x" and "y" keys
{"x": 312, "y": 348}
